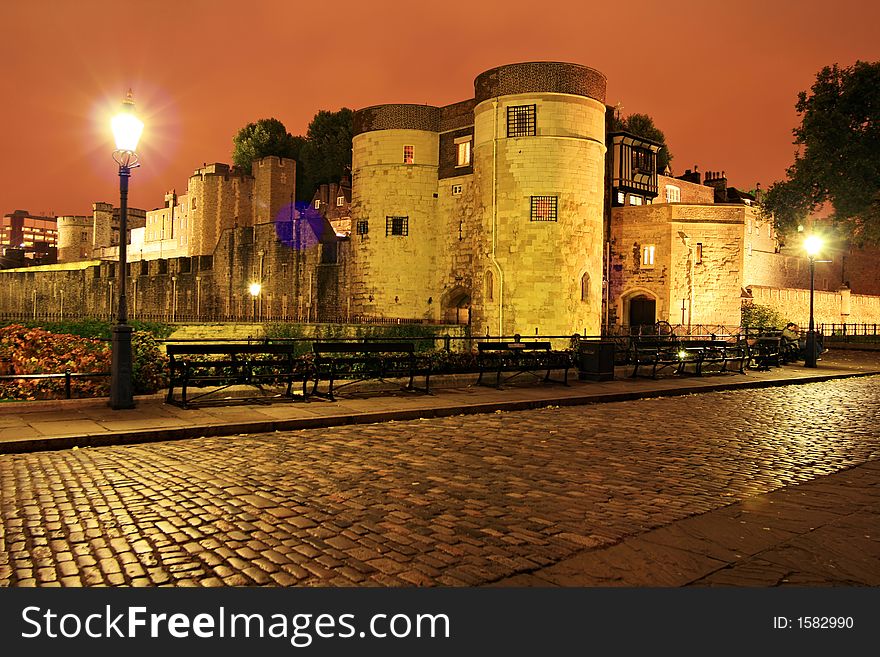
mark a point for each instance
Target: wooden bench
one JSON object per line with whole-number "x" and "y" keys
{"x": 516, "y": 358}
{"x": 362, "y": 361}
{"x": 655, "y": 351}
{"x": 222, "y": 365}
{"x": 766, "y": 352}
{"x": 703, "y": 352}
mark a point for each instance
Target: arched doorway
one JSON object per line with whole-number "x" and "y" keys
{"x": 642, "y": 311}
{"x": 456, "y": 306}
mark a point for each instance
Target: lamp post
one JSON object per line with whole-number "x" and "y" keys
{"x": 127, "y": 131}
{"x": 812, "y": 245}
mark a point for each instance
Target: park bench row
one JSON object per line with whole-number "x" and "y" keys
{"x": 336, "y": 365}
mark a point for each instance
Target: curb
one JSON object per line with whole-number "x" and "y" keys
{"x": 105, "y": 439}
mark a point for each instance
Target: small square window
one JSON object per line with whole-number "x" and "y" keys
{"x": 673, "y": 194}
{"x": 521, "y": 120}
{"x": 397, "y": 226}
{"x": 456, "y": 190}
{"x": 340, "y": 201}
{"x": 362, "y": 227}
{"x": 409, "y": 154}
{"x": 317, "y": 204}
{"x": 544, "y": 208}
{"x": 463, "y": 158}
{"x": 648, "y": 256}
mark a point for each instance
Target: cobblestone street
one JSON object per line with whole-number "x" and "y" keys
{"x": 463, "y": 500}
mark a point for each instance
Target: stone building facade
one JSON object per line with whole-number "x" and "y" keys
{"x": 498, "y": 199}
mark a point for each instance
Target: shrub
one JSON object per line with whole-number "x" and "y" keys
{"x": 29, "y": 350}
{"x": 97, "y": 328}
{"x": 757, "y": 316}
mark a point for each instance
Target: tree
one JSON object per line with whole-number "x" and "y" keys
{"x": 325, "y": 154}
{"x": 642, "y": 125}
{"x": 261, "y": 139}
{"x": 837, "y": 160}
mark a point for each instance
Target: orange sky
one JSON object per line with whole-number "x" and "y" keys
{"x": 720, "y": 79}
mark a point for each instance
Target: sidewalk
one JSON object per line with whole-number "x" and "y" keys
{"x": 62, "y": 424}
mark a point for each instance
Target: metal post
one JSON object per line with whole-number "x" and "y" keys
{"x": 810, "y": 357}
{"x": 121, "y": 389}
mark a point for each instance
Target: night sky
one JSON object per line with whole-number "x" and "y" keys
{"x": 720, "y": 79}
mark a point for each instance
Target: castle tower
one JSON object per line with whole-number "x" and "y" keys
{"x": 274, "y": 188}
{"x": 539, "y": 153}
{"x": 394, "y": 191}
{"x": 74, "y": 238}
{"x": 102, "y": 226}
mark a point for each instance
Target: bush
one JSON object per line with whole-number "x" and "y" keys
{"x": 29, "y": 350}
{"x": 757, "y": 316}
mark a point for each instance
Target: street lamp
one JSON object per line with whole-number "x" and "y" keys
{"x": 127, "y": 131}
{"x": 812, "y": 245}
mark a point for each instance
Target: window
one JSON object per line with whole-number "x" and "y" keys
{"x": 698, "y": 254}
{"x": 543, "y": 208}
{"x": 340, "y": 201}
{"x": 409, "y": 156}
{"x": 145, "y": 268}
{"x": 397, "y": 226}
{"x": 642, "y": 161}
{"x": 317, "y": 204}
{"x": 456, "y": 190}
{"x": 193, "y": 204}
{"x": 362, "y": 227}
{"x": 585, "y": 287}
{"x": 648, "y": 255}
{"x": 635, "y": 200}
{"x": 621, "y": 198}
{"x": 673, "y": 194}
{"x": 490, "y": 286}
{"x": 463, "y": 157}
{"x": 521, "y": 120}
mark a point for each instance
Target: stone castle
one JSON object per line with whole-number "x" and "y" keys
{"x": 515, "y": 211}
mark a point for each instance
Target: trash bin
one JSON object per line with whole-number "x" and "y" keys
{"x": 595, "y": 360}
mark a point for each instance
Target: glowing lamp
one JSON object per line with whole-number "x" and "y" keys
{"x": 127, "y": 128}
{"x": 812, "y": 245}
{"x": 255, "y": 289}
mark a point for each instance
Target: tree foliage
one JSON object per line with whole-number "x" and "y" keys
{"x": 261, "y": 139}
{"x": 642, "y": 125}
{"x": 837, "y": 160}
{"x": 323, "y": 155}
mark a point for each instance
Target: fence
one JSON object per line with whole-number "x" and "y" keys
{"x": 850, "y": 332}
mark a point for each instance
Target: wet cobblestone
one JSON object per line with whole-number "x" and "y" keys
{"x": 456, "y": 501}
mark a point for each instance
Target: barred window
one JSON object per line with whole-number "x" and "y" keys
{"x": 340, "y": 201}
{"x": 544, "y": 208}
{"x": 362, "y": 227}
{"x": 521, "y": 120}
{"x": 409, "y": 154}
{"x": 397, "y": 226}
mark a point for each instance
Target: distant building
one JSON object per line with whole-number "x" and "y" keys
{"x": 29, "y": 237}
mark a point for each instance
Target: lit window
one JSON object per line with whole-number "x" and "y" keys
{"x": 464, "y": 153}
{"x": 317, "y": 204}
{"x": 409, "y": 154}
{"x": 544, "y": 208}
{"x": 749, "y": 249}
{"x": 340, "y": 201}
{"x": 635, "y": 200}
{"x": 397, "y": 226}
{"x": 621, "y": 198}
{"x": 456, "y": 190}
{"x": 362, "y": 227}
{"x": 521, "y": 120}
{"x": 648, "y": 255}
{"x": 673, "y": 194}
{"x": 698, "y": 255}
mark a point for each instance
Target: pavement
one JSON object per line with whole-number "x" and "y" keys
{"x": 62, "y": 424}
{"x": 773, "y": 480}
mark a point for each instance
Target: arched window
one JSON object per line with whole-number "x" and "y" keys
{"x": 585, "y": 287}
{"x": 490, "y": 286}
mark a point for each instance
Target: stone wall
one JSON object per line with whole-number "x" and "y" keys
{"x": 829, "y": 307}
